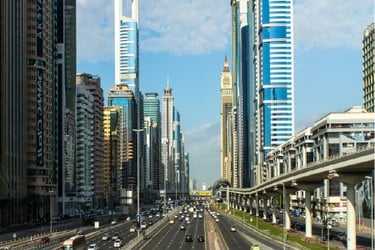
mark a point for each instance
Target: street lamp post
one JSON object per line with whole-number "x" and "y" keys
{"x": 138, "y": 131}
{"x": 50, "y": 209}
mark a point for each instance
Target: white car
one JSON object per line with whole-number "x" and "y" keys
{"x": 92, "y": 247}
{"x": 233, "y": 229}
{"x": 143, "y": 225}
{"x": 105, "y": 236}
{"x": 132, "y": 229}
{"x": 117, "y": 243}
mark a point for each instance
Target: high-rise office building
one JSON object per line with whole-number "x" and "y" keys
{"x": 126, "y": 46}
{"x": 92, "y": 84}
{"x": 263, "y": 76}
{"x": 151, "y": 107}
{"x": 239, "y": 121}
{"x": 37, "y": 155}
{"x": 13, "y": 112}
{"x": 167, "y": 139}
{"x": 112, "y": 164}
{"x": 122, "y": 96}
{"x": 368, "y": 68}
{"x": 226, "y": 122}
{"x": 271, "y": 75}
{"x": 64, "y": 114}
{"x": 177, "y": 152}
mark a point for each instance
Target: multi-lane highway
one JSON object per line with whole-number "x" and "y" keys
{"x": 205, "y": 229}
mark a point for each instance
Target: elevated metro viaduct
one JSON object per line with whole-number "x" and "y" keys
{"x": 349, "y": 169}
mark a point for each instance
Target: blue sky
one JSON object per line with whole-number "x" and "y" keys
{"x": 187, "y": 40}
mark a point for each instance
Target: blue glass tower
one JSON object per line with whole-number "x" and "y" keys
{"x": 271, "y": 74}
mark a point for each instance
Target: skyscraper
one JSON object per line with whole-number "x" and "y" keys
{"x": 151, "y": 111}
{"x": 13, "y": 112}
{"x": 122, "y": 96}
{"x": 368, "y": 68}
{"x": 226, "y": 122}
{"x": 126, "y": 46}
{"x": 112, "y": 164}
{"x": 85, "y": 149}
{"x": 263, "y": 113}
{"x": 271, "y": 75}
{"x": 92, "y": 84}
{"x": 64, "y": 115}
{"x": 167, "y": 139}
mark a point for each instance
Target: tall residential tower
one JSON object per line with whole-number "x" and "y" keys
{"x": 368, "y": 67}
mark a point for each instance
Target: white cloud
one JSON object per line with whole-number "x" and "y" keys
{"x": 331, "y": 23}
{"x": 193, "y": 27}
{"x": 177, "y": 27}
{"x": 184, "y": 26}
{"x": 95, "y": 31}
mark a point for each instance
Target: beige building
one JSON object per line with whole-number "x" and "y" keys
{"x": 112, "y": 158}
{"x": 368, "y": 67}
{"x": 226, "y": 123}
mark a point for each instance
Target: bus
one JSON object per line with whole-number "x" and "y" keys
{"x": 77, "y": 242}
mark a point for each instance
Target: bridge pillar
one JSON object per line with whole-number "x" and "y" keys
{"x": 308, "y": 223}
{"x": 274, "y": 210}
{"x": 286, "y": 211}
{"x": 350, "y": 218}
{"x": 350, "y": 181}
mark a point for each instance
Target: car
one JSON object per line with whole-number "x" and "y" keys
{"x": 255, "y": 247}
{"x": 132, "y": 229}
{"x": 341, "y": 236}
{"x": 143, "y": 225}
{"x": 44, "y": 240}
{"x": 171, "y": 222}
{"x": 105, "y": 236}
{"x": 115, "y": 236}
{"x": 200, "y": 238}
{"x": 117, "y": 243}
{"x": 79, "y": 232}
{"x": 233, "y": 229}
{"x": 188, "y": 237}
{"x": 114, "y": 222}
{"x": 217, "y": 219}
{"x": 182, "y": 227}
{"x": 92, "y": 247}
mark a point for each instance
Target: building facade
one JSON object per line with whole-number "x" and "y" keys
{"x": 92, "y": 84}
{"x": 263, "y": 79}
{"x": 167, "y": 139}
{"x": 226, "y": 123}
{"x": 85, "y": 149}
{"x": 368, "y": 67}
{"x": 112, "y": 163}
{"x": 151, "y": 109}
{"x": 122, "y": 96}
{"x": 334, "y": 135}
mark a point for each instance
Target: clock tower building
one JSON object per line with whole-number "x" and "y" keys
{"x": 226, "y": 123}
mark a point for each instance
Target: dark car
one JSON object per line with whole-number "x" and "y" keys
{"x": 44, "y": 240}
{"x": 189, "y": 238}
{"x": 200, "y": 238}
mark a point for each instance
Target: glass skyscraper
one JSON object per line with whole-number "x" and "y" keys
{"x": 271, "y": 73}
{"x": 263, "y": 79}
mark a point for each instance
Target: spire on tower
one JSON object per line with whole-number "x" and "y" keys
{"x": 226, "y": 65}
